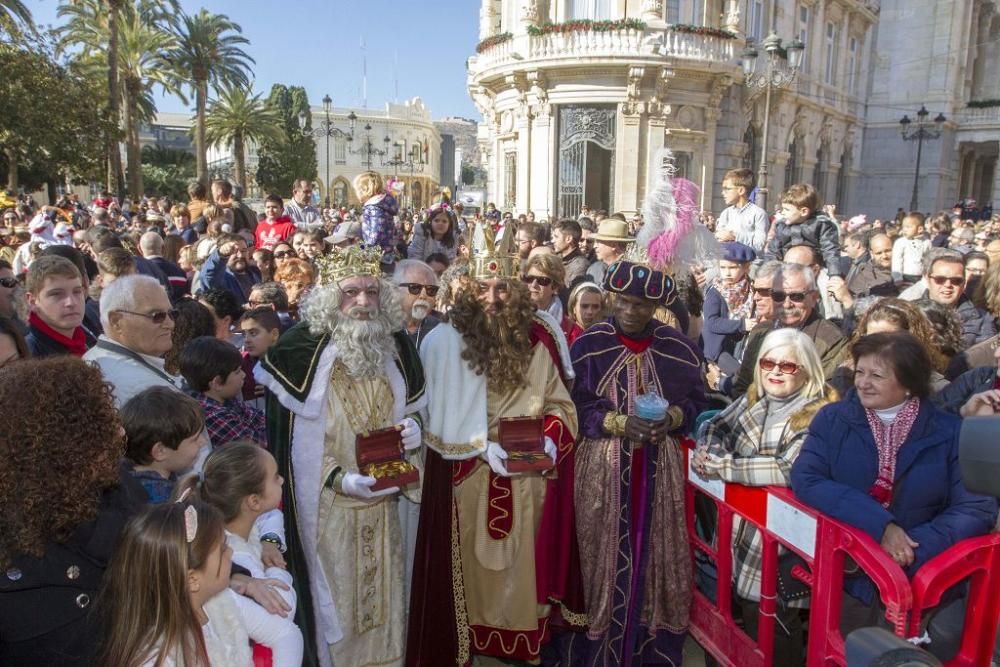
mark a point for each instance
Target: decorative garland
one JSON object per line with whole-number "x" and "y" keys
{"x": 585, "y": 25}
{"x": 702, "y": 30}
{"x": 983, "y": 104}
{"x": 493, "y": 40}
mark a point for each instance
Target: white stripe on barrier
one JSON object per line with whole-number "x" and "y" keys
{"x": 791, "y": 525}
{"x": 714, "y": 487}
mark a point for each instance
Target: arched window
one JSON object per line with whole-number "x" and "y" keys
{"x": 792, "y": 167}
{"x": 751, "y": 152}
{"x": 339, "y": 193}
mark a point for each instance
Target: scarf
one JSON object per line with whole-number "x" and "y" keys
{"x": 888, "y": 440}
{"x": 77, "y": 345}
{"x": 737, "y": 297}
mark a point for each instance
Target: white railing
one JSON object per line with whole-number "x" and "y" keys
{"x": 613, "y": 44}
{"x": 984, "y": 116}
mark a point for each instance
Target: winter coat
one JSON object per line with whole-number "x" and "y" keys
{"x": 838, "y": 465}
{"x": 819, "y": 232}
{"x": 954, "y": 396}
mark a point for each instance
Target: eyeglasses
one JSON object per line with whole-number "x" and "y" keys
{"x": 763, "y": 292}
{"x": 9, "y": 283}
{"x": 157, "y": 316}
{"x": 786, "y": 367}
{"x": 953, "y": 280}
{"x": 355, "y": 292}
{"x": 416, "y": 288}
{"x": 541, "y": 280}
{"x": 284, "y": 254}
{"x": 796, "y": 297}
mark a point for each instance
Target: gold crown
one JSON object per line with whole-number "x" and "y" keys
{"x": 491, "y": 260}
{"x": 355, "y": 260}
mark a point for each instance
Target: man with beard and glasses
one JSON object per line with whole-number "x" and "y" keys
{"x": 228, "y": 267}
{"x": 346, "y": 370}
{"x": 417, "y": 287}
{"x": 795, "y": 298}
{"x": 634, "y": 552}
{"x": 494, "y": 549}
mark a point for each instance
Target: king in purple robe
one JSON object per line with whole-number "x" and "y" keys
{"x": 629, "y": 487}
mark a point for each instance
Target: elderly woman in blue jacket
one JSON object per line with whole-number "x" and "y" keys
{"x": 885, "y": 460}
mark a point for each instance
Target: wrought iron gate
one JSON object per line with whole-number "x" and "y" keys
{"x": 577, "y": 127}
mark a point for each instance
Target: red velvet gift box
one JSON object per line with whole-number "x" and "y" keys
{"x": 523, "y": 438}
{"x": 380, "y": 455}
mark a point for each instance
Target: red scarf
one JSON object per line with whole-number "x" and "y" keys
{"x": 636, "y": 345}
{"x": 888, "y": 440}
{"x": 77, "y": 345}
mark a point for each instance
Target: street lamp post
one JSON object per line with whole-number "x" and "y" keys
{"x": 368, "y": 149}
{"x": 919, "y": 133}
{"x": 326, "y": 129}
{"x": 411, "y": 166}
{"x": 780, "y": 70}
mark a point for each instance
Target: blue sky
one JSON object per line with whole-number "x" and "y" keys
{"x": 317, "y": 44}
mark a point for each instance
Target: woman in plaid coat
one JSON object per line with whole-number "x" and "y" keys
{"x": 754, "y": 442}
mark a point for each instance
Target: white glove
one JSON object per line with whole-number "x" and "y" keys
{"x": 550, "y": 449}
{"x": 495, "y": 456}
{"x": 410, "y": 433}
{"x": 360, "y": 486}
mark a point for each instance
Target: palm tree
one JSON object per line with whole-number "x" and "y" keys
{"x": 142, "y": 66}
{"x": 234, "y": 119}
{"x": 15, "y": 10}
{"x": 94, "y": 25}
{"x": 210, "y": 53}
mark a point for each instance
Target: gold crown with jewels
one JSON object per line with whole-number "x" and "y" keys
{"x": 490, "y": 259}
{"x": 349, "y": 262}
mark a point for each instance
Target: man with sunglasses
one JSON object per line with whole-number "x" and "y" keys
{"x": 795, "y": 300}
{"x": 138, "y": 323}
{"x": 417, "y": 286}
{"x": 945, "y": 278}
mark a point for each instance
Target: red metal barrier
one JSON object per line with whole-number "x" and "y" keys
{"x": 782, "y": 519}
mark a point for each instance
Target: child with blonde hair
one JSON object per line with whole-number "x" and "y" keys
{"x": 378, "y": 212}
{"x": 167, "y": 600}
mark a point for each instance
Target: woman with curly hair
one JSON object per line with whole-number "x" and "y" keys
{"x": 193, "y": 320}
{"x": 65, "y": 502}
{"x": 888, "y": 315}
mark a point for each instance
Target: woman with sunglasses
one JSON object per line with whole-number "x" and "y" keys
{"x": 545, "y": 276}
{"x": 754, "y": 442}
{"x": 885, "y": 460}
{"x": 283, "y": 253}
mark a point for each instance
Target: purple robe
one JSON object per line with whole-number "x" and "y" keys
{"x": 629, "y": 498}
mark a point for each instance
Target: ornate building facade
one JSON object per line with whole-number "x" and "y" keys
{"x": 577, "y": 96}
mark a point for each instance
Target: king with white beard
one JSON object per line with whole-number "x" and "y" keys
{"x": 347, "y": 369}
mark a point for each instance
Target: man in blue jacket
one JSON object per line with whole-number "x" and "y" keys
{"x": 228, "y": 267}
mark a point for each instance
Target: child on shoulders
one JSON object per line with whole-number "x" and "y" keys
{"x": 804, "y": 224}
{"x": 378, "y": 212}
{"x": 213, "y": 371}
{"x": 165, "y": 434}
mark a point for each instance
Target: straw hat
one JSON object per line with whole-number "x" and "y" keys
{"x": 613, "y": 230}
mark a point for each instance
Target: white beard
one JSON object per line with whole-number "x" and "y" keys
{"x": 363, "y": 345}
{"x": 419, "y": 310}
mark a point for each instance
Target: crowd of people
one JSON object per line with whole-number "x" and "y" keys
{"x": 386, "y": 437}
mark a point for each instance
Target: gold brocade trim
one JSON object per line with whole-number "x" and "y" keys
{"x": 614, "y": 424}
{"x": 505, "y": 493}
{"x": 532, "y": 649}
{"x": 369, "y": 404}
{"x": 458, "y": 592}
{"x": 573, "y": 618}
{"x": 453, "y": 449}
{"x": 370, "y": 605}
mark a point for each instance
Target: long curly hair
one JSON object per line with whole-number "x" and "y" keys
{"x": 193, "y": 321}
{"x": 907, "y": 317}
{"x": 497, "y": 346}
{"x": 57, "y": 462}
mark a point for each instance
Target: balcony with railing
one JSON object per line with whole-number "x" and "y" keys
{"x": 979, "y": 118}
{"x": 632, "y": 45}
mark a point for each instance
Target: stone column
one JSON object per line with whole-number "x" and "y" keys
{"x": 627, "y": 160}
{"x": 487, "y": 19}
{"x": 731, "y": 18}
{"x": 652, "y": 10}
{"x": 525, "y": 164}
{"x": 543, "y": 147}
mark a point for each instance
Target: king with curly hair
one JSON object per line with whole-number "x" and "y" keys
{"x": 493, "y": 547}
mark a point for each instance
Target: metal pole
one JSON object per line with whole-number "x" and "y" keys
{"x": 762, "y": 169}
{"x": 916, "y": 172}
{"x": 326, "y": 186}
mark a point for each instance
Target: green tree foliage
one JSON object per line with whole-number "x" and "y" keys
{"x": 293, "y": 156}
{"x": 209, "y": 54}
{"x": 237, "y": 117}
{"x": 48, "y": 131}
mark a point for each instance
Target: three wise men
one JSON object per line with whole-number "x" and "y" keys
{"x": 493, "y": 549}
{"x": 634, "y": 552}
{"x": 347, "y": 369}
